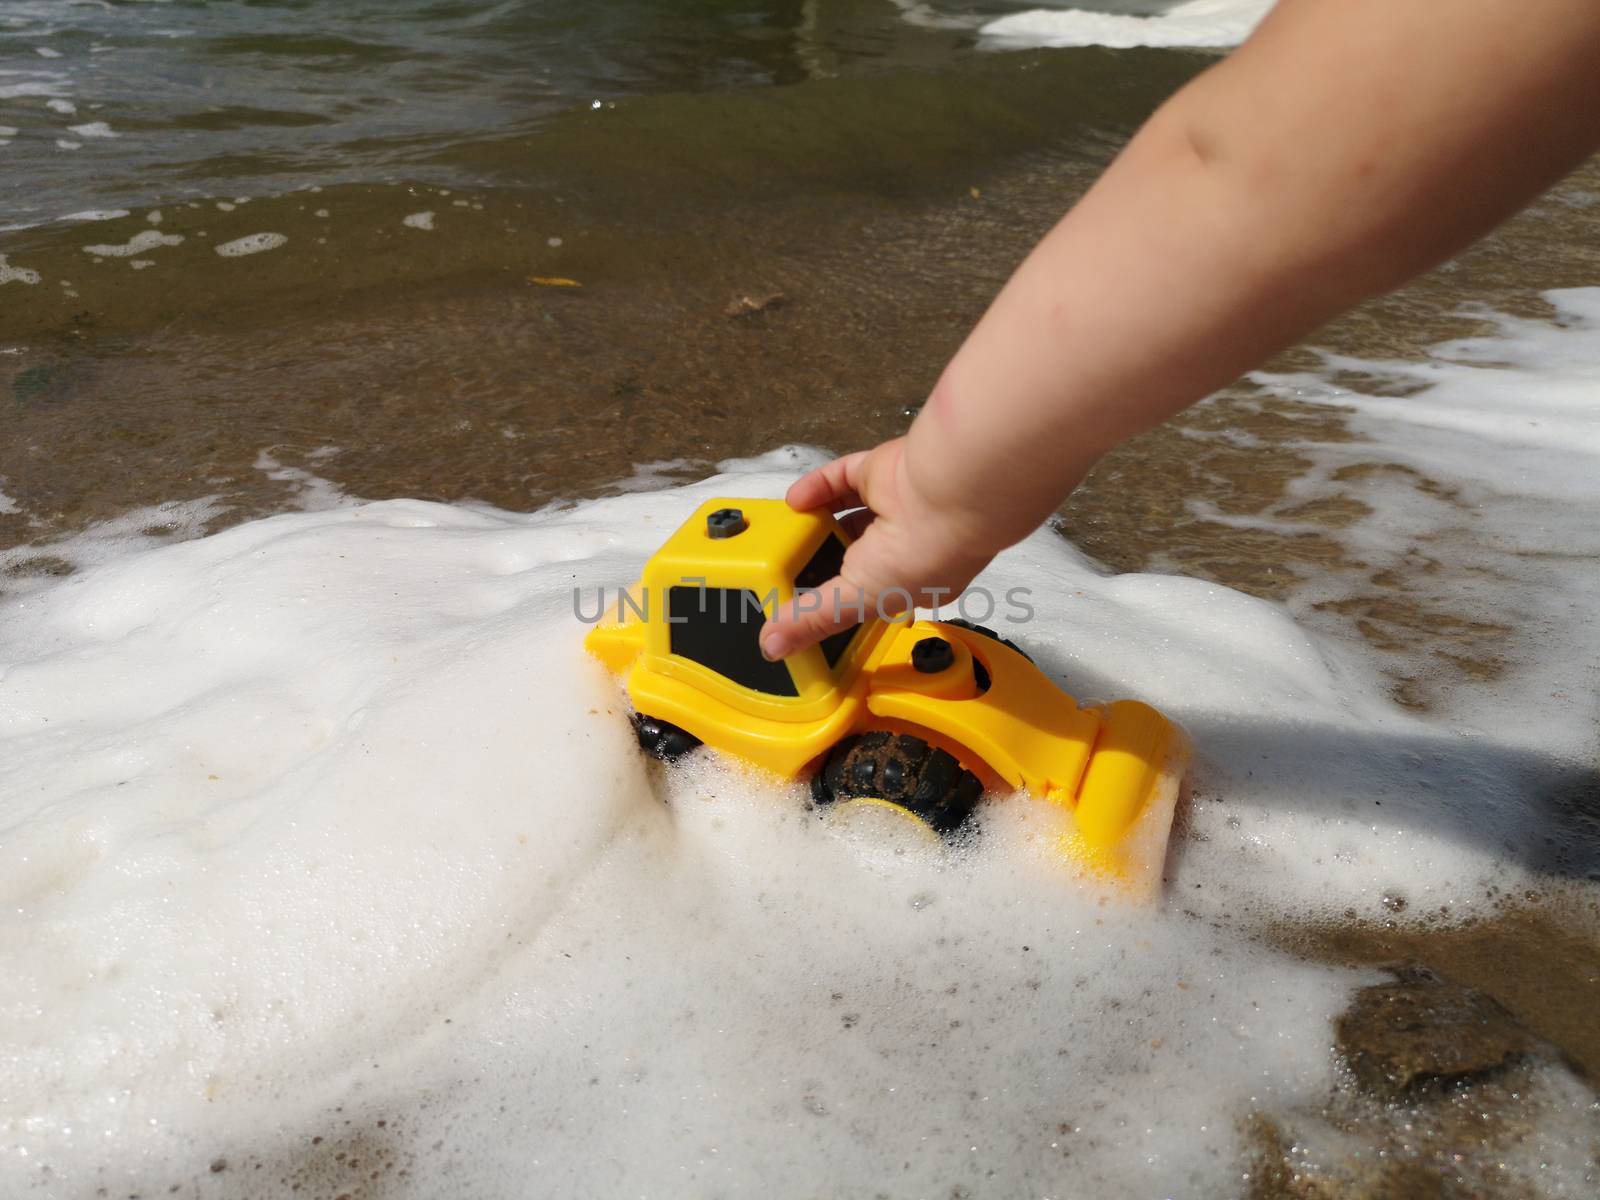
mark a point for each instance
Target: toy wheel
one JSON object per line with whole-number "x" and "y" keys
{"x": 663, "y": 739}
{"x": 902, "y": 770}
{"x": 985, "y": 631}
{"x": 980, "y": 673}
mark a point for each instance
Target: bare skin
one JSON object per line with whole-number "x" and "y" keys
{"x": 1348, "y": 146}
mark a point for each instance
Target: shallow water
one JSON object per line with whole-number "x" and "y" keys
{"x": 781, "y": 221}
{"x": 115, "y": 106}
{"x": 208, "y": 100}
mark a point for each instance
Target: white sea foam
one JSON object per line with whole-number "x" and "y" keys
{"x": 64, "y": 107}
{"x": 646, "y": 477}
{"x": 308, "y": 491}
{"x": 96, "y": 214}
{"x": 1508, "y": 422}
{"x": 10, "y": 274}
{"x": 330, "y": 810}
{"x": 929, "y": 16}
{"x": 50, "y": 85}
{"x": 418, "y": 220}
{"x": 251, "y": 243}
{"x": 106, "y": 541}
{"x": 440, "y": 795}
{"x": 1197, "y": 23}
{"x": 141, "y": 242}
{"x": 94, "y": 129}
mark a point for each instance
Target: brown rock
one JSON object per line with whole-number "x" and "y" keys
{"x": 744, "y": 306}
{"x": 1276, "y": 1174}
{"x": 1404, "y": 1038}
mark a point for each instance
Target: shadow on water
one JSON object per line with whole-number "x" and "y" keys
{"x": 1534, "y": 810}
{"x": 1537, "y": 811}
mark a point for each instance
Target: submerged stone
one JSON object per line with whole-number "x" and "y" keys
{"x": 1403, "y": 1038}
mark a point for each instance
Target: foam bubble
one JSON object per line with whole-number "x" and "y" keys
{"x": 649, "y": 476}
{"x": 10, "y": 274}
{"x": 1515, "y": 476}
{"x": 308, "y": 491}
{"x": 50, "y": 86}
{"x": 1197, "y": 23}
{"x": 251, "y": 243}
{"x": 96, "y": 214}
{"x": 94, "y": 129}
{"x": 64, "y": 107}
{"x": 929, "y": 17}
{"x": 139, "y": 243}
{"x": 106, "y": 541}
{"x": 418, "y": 220}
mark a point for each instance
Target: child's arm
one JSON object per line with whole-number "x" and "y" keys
{"x": 1349, "y": 145}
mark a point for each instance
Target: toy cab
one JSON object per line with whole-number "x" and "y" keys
{"x": 921, "y": 717}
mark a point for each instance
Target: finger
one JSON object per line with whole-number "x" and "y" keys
{"x": 833, "y": 486}
{"x": 812, "y": 616}
{"x": 856, "y": 523}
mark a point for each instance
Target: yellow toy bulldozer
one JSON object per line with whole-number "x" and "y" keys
{"x": 923, "y": 716}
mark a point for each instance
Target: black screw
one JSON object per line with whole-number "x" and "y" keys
{"x": 932, "y": 655}
{"x": 726, "y": 523}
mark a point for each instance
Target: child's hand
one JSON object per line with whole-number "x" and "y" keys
{"x": 909, "y": 552}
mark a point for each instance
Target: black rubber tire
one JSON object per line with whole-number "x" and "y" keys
{"x": 904, "y": 770}
{"x": 662, "y": 739}
{"x": 985, "y": 631}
